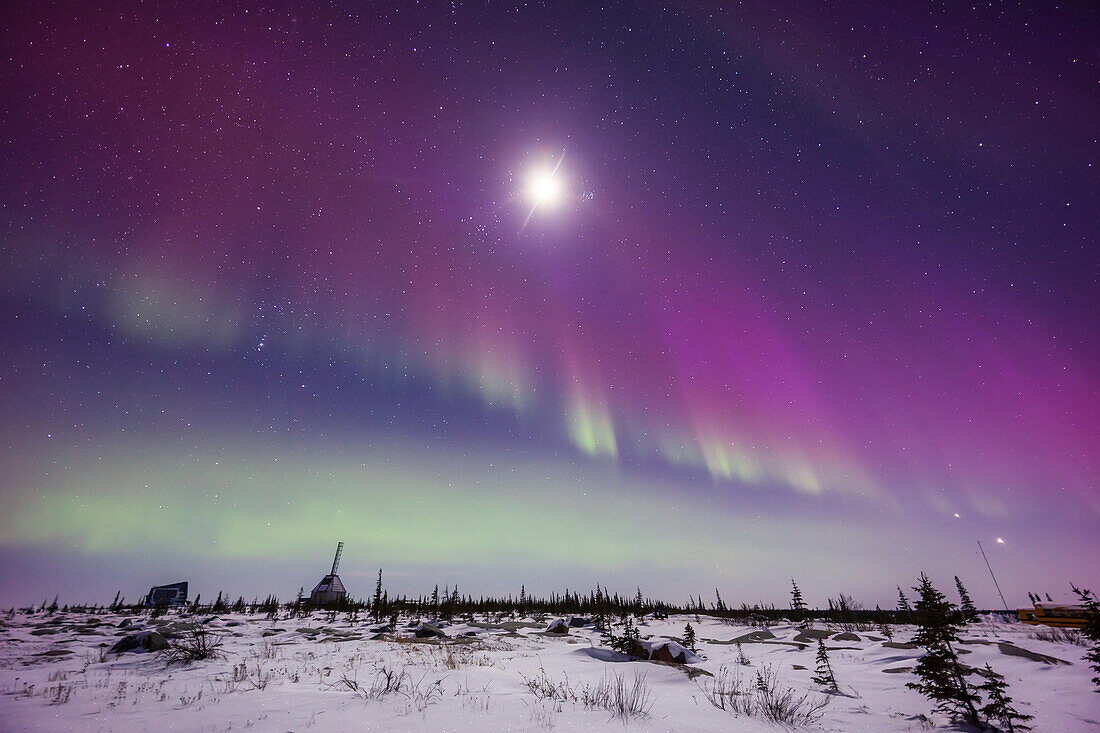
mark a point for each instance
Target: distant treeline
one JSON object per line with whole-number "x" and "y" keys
{"x": 598, "y": 602}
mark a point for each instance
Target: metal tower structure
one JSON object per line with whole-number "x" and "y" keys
{"x": 336, "y": 560}
{"x": 331, "y": 589}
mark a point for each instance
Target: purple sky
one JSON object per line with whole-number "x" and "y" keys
{"x": 819, "y": 280}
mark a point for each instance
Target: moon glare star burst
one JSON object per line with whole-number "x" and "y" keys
{"x": 544, "y": 188}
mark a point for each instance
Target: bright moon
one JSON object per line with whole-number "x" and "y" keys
{"x": 545, "y": 189}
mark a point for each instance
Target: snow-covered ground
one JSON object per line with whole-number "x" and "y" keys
{"x": 321, "y": 674}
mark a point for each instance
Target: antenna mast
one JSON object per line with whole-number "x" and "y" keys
{"x": 336, "y": 561}
{"x": 995, "y": 583}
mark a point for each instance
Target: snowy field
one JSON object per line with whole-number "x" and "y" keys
{"x": 325, "y": 674}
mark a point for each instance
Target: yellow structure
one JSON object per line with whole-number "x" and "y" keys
{"x": 1049, "y": 614}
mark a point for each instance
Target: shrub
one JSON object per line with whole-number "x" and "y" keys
{"x": 612, "y": 693}
{"x": 197, "y": 644}
{"x": 725, "y": 691}
{"x": 389, "y": 682}
{"x": 545, "y": 688}
{"x": 784, "y": 705}
{"x": 1059, "y": 636}
{"x": 615, "y": 695}
{"x": 766, "y": 699}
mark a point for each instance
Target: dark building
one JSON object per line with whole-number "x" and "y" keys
{"x": 167, "y": 595}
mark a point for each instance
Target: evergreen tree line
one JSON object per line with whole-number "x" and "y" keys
{"x": 449, "y": 602}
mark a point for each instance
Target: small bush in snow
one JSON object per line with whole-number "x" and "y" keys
{"x": 390, "y": 682}
{"x": 545, "y": 688}
{"x": 765, "y": 699}
{"x": 197, "y": 644}
{"x": 612, "y": 693}
{"x": 725, "y": 691}
{"x": 621, "y": 699}
{"x": 1058, "y": 636}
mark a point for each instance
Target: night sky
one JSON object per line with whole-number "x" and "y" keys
{"x": 675, "y": 295}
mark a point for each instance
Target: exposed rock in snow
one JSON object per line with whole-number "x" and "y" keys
{"x": 759, "y": 635}
{"x": 143, "y": 641}
{"x": 670, "y": 651}
{"x": 425, "y": 630}
{"x": 808, "y": 635}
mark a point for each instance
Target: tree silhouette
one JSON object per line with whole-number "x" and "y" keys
{"x": 999, "y": 706}
{"x": 797, "y": 604}
{"x": 823, "y": 674}
{"x": 689, "y": 638}
{"x": 939, "y": 670}
{"x": 1092, "y": 628}
{"x": 968, "y": 611}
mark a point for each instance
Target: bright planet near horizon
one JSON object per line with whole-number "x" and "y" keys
{"x": 680, "y": 297}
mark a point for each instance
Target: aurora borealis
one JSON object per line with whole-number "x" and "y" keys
{"x": 820, "y": 280}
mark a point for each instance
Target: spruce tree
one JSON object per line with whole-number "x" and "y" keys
{"x": 376, "y": 603}
{"x": 939, "y": 670}
{"x": 797, "y": 604}
{"x": 1092, "y": 629}
{"x": 823, "y": 674}
{"x": 628, "y": 643}
{"x": 689, "y": 638}
{"x": 968, "y": 611}
{"x": 607, "y": 634}
{"x": 903, "y": 602}
{"x": 998, "y": 707}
